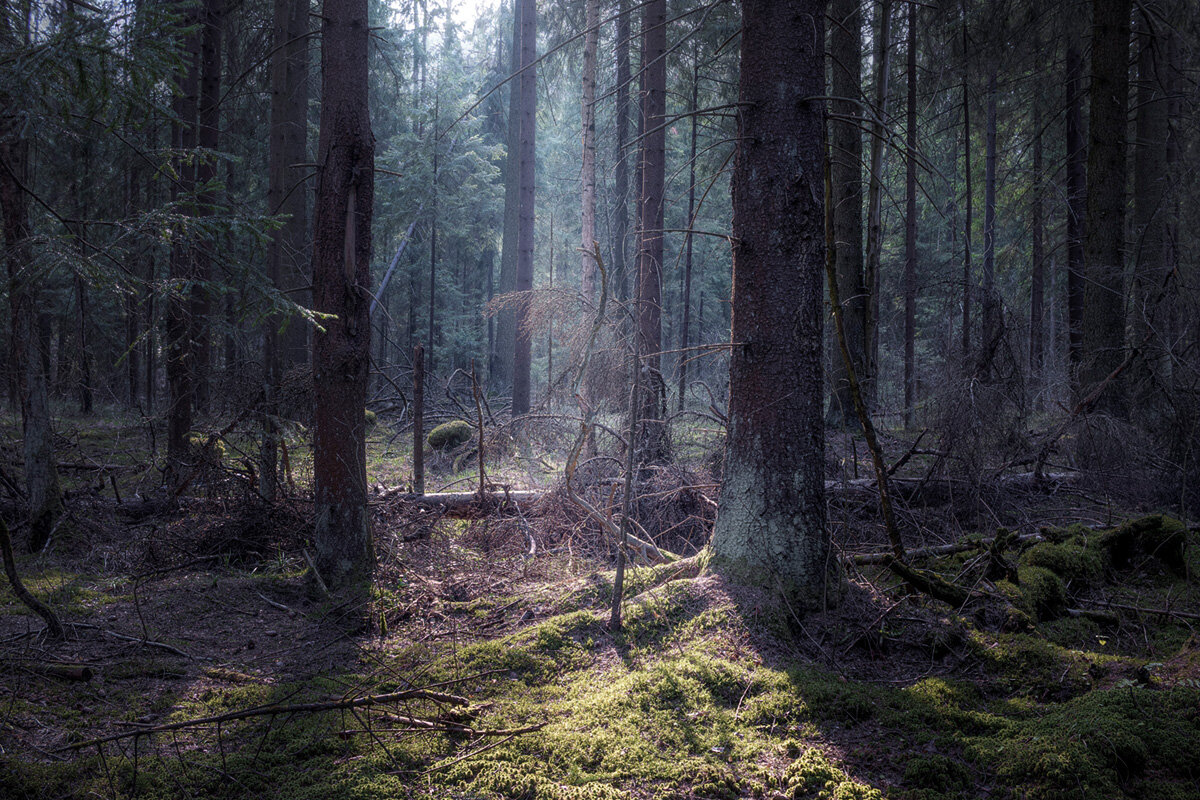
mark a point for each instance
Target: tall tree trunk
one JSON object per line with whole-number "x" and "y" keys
{"x": 845, "y": 140}
{"x": 288, "y": 145}
{"x": 686, "y": 301}
{"x": 771, "y": 524}
{"x": 968, "y": 222}
{"x": 588, "y": 212}
{"x": 523, "y": 354}
{"x": 621, "y": 170}
{"x": 653, "y": 439}
{"x": 180, "y": 328}
{"x": 910, "y": 227}
{"x": 433, "y": 246}
{"x": 1150, "y": 203}
{"x": 992, "y": 324}
{"x": 1104, "y": 244}
{"x": 1037, "y": 280}
{"x": 875, "y": 196}
{"x": 341, "y": 284}
{"x": 1076, "y": 206}
{"x": 506, "y": 318}
{"x": 41, "y": 474}
{"x": 208, "y": 138}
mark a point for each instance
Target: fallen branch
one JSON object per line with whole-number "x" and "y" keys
{"x": 276, "y": 710}
{"x": 942, "y": 549}
{"x": 1162, "y": 612}
{"x": 140, "y": 640}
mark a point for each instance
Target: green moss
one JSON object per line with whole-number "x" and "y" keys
{"x": 1156, "y": 536}
{"x": 370, "y": 418}
{"x": 813, "y": 775}
{"x": 450, "y": 435}
{"x": 1077, "y": 564}
{"x": 936, "y": 777}
{"x": 1044, "y": 592}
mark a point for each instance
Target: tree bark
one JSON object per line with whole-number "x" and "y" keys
{"x": 180, "y": 328}
{"x": 910, "y": 227}
{"x": 686, "y": 298}
{"x": 1104, "y": 245}
{"x": 208, "y": 127}
{"x": 652, "y": 442}
{"x": 968, "y": 222}
{"x": 1076, "y": 208}
{"x": 992, "y": 324}
{"x": 523, "y": 354}
{"x": 41, "y": 475}
{"x": 341, "y": 283}
{"x": 501, "y": 376}
{"x": 875, "y": 197}
{"x": 771, "y": 524}
{"x": 845, "y": 140}
{"x": 1037, "y": 280}
{"x": 621, "y": 170}
{"x": 588, "y": 212}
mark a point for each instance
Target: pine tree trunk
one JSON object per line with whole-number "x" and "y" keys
{"x": 1037, "y": 280}
{"x": 588, "y": 213}
{"x": 1076, "y": 208}
{"x": 686, "y": 300}
{"x": 910, "y": 228}
{"x": 845, "y": 145}
{"x": 341, "y": 283}
{"x": 653, "y": 439}
{"x": 770, "y": 527}
{"x": 875, "y": 198}
{"x": 523, "y": 354}
{"x": 506, "y": 319}
{"x": 1104, "y": 243}
{"x": 621, "y": 170}
{"x": 41, "y": 474}
{"x": 992, "y": 324}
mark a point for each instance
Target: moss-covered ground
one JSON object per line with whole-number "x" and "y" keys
{"x": 1074, "y": 673}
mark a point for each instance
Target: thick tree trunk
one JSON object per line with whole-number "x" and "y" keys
{"x": 41, "y": 476}
{"x": 588, "y": 212}
{"x": 1076, "y": 207}
{"x": 341, "y": 284}
{"x": 845, "y": 140}
{"x": 652, "y": 442}
{"x": 771, "y": 526}
{"x": 523, "y": 354}
{"x": 1104, "y": 246}
{"x": 968, "y": 222}
{"x": 910, "y": 227}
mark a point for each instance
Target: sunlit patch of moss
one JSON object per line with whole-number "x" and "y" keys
{"x": 1080, "y": 566}
{"x": 1026, "y": 664}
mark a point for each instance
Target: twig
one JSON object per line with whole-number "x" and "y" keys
{"x": 24, "y": 595}
{"x": 139, "y": 640}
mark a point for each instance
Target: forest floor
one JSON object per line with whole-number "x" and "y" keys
{"x": 218, "y": 669}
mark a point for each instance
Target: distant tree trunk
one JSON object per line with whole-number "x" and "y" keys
{"x": 289, "y": 151}
{"x": 288, "y": 145}
{"x": 180, "y": 328}
{"x": 621, "y": 170}
{"x": 1150, "y": 202}
{"x": 588, "y": 213}
{"x": 41, "y": 474}
{"x": 875, "y": 196}
{"x": 433, "y": 244}
{"x": 770, "y": 527}
{"x": 208, "y": 138}
{"x": 1104, "y": 245}
{"x": 910, "y": 227}
{"x": 83, "y": 317}
{"x": 523, "y": 355}
{"x": 845, "y": 140}
{"x": 1037, "y": 280}
{"x": 506, "y": 318}
{"x": 1076, "y": 207}
{"x": 653, "y": 440}
{"x": 968, "y": 223}
{"x": 686, "y": 300}
{"x": 992, "y": 325}
{"x": 341, "y": 283}
{"x": 133, "y": 329}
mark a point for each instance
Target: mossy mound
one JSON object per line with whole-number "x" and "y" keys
{"x": 813, "y": 775}
{"x": 1078, "y": 564}
{"x": 1156, "y": 536}
{"x": 450, "y": 435}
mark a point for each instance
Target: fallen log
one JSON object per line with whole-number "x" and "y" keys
{"x": 452, "y": 501}
{"x": 942, "y": 491}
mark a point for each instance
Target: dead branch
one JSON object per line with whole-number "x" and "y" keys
{"x": 272, "y": 710}
{"x": 54, "y": 627}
